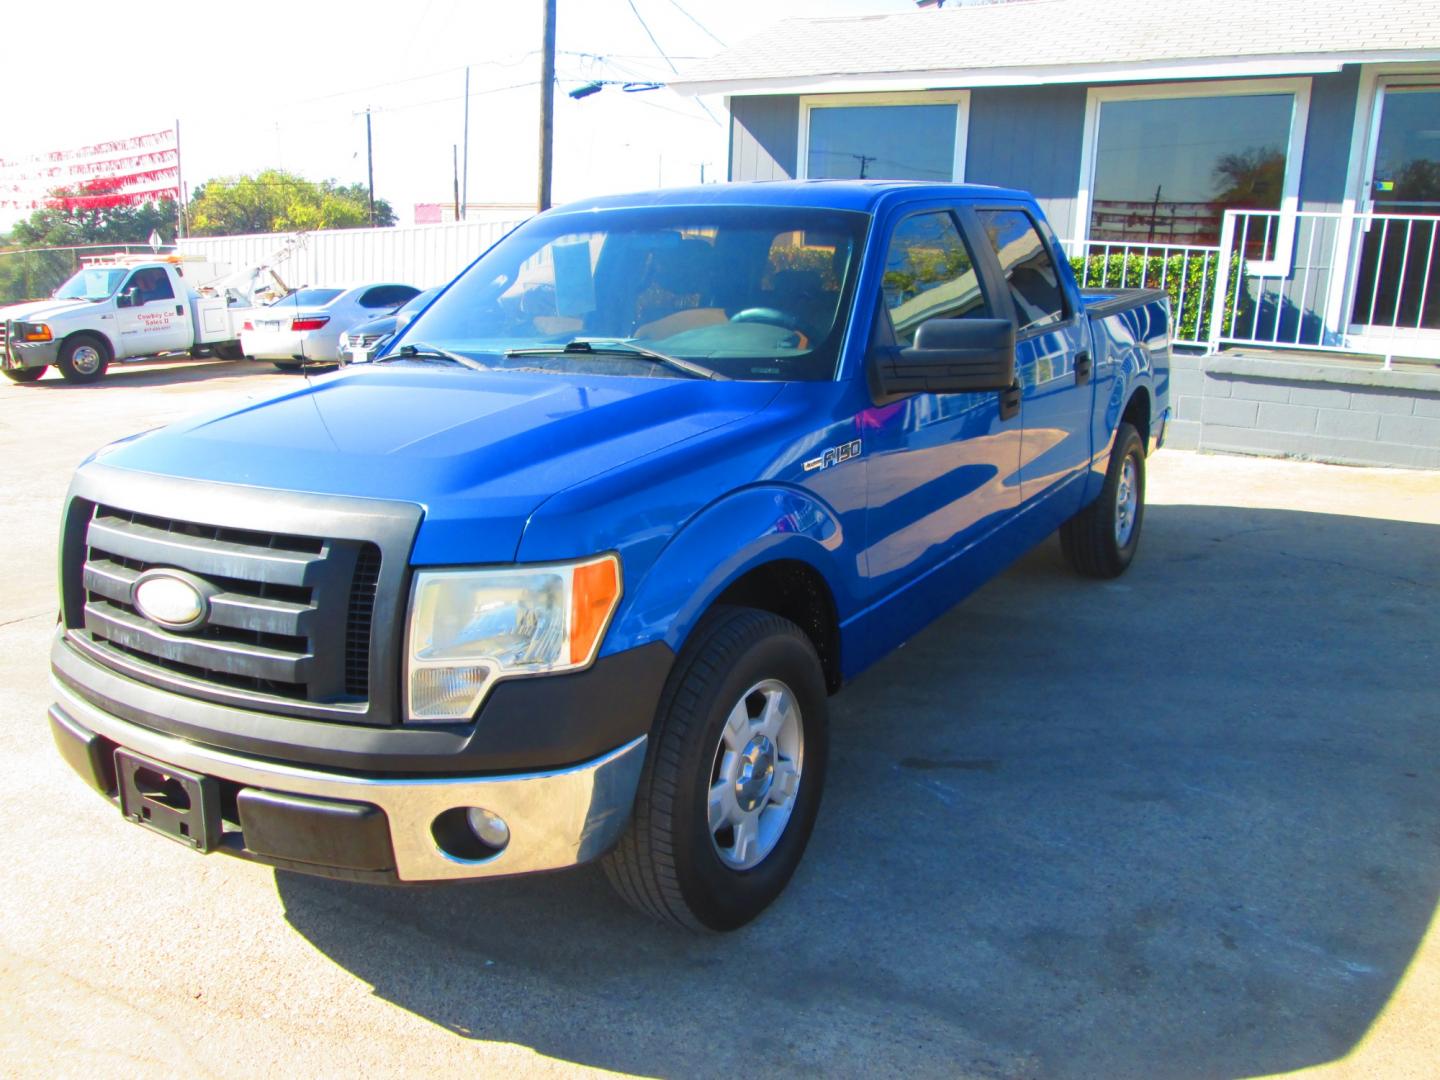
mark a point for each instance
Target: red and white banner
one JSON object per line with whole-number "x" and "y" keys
{"x": 119, "y": 172}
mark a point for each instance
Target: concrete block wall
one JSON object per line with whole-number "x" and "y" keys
{"x": 1351, "y": 414}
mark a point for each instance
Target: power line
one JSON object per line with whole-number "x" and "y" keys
{"x": 676, "y": 5}
{"x": 646, "y": 27}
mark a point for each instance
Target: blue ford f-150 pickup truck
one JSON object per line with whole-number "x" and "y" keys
{"x": 571, "y": 571}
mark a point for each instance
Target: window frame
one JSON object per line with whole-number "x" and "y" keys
{"x": 984, "y": 277}
{"x": 1098, "y": 96}
{"x": 1068, "y": 310}
{"x": 960, "y": 99}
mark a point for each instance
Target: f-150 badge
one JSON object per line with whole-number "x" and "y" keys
{"x": 834, "y": 455}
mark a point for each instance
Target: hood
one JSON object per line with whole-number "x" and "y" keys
{"x": 478, "y": 451}
{"x": 40, "y": 310}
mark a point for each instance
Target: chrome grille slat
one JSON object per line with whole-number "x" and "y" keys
{"x": 231, "y": 657}
{"x": 114, "y": 582}
{"x": 201, "y": 556}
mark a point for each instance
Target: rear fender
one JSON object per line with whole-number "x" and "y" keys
{"x": 719, "y": 545}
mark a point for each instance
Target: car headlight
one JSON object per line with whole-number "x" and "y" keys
{"x": 26, "y": 331}
{"x": 470, "y": 628}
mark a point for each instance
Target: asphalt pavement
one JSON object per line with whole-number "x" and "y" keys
{"x": 1184, "y": 824}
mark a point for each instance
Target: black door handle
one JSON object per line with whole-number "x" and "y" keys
{"x": 1082, "y": 367}
{"x": 179, "y": 309}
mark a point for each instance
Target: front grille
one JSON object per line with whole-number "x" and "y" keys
{"x": 291, "y": 619}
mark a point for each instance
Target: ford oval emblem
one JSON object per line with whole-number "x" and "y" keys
{"x": 171, "y": 598}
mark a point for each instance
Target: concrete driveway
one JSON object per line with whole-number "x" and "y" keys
{"x": 1186, "y": 824}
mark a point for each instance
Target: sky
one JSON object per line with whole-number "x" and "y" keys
{"x": 287, "y": 86}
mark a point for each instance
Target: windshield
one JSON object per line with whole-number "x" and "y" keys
{"x": 95, "y": 284}
{"x": 308, "y": 298}
{"x": 748, "y": 292}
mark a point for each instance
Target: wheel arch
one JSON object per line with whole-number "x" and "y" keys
{"x": 771, "y": 548}
{"x": 98, "y": 336}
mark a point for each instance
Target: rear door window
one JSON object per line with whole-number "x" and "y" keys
{"x": 387, "y": 296}
{"x": 1027, "y": 267}
{"x": 930, "y": 274}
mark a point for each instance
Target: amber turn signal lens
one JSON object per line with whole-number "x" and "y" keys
{"x": 594, "y": 593}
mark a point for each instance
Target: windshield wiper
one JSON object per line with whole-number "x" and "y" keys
{"x": 619, "y": 347}
{"x": 422, "y": 351}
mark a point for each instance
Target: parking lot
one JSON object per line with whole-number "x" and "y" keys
{"x": 1184, "y": 824}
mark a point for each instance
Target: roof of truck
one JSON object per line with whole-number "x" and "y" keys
{"x": 862, "y": 195}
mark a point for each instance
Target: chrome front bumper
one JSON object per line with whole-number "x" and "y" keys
{"x": 559, "y": 818}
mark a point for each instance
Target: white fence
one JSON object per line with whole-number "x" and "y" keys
{"x": 1188, "y": 272}
{"x": 1330, "y": 281}
{"x": 419, "y": 255}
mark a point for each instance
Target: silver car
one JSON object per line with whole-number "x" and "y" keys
{"x": 305, "y": 327}
{"x": 360, "y": 343}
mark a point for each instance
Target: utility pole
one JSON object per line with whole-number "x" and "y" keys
{"x": 179, "y": 187}
{"x": 547, "y": 107}
{"x": 455, "y": 166}
{"x": 370, "y": 163}
{"x": 465, "y": 173}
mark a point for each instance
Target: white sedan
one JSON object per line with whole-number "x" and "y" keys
{"x": 305, "y": 327}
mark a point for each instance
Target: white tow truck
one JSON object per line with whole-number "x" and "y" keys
{"x": 121, "y": 308}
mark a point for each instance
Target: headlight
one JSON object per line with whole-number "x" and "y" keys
{"x": 469, "y": 628}
{"x": 32, "y": 331}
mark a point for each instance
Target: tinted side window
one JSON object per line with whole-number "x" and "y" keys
{"x": 152, "y": 284}
{"x": 1028, "y": 268}
{"x": 387, "y": 296}
{"x": 929, "y": 274}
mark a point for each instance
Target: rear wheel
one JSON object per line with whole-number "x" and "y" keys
{"x": 83, "y": 359}
{"x": 288, "y": 365}
{"x": 25, "y": 375}
{"x": 732, "y": 781}
{"x": 1100, "y": 541}
{"x": 230, "y": 350}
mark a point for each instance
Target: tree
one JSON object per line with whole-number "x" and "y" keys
{"x": 109, "y": 225}
{"x": 278, "y": 201}
{"x": 37, "y": 273}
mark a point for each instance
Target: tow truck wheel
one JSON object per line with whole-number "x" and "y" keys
{"x": 1100, "y": 541}
{"x": 25, "y": 375}
{"x": 83, "y": 359}
{"x": 732, "y": 779}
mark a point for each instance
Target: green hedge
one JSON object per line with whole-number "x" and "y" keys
{"x": 1121, "y": 271}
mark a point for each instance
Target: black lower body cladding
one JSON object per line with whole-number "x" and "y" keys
{"x": 537, "y": 723}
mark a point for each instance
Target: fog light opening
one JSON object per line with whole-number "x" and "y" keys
{"x": 470, "y": 834}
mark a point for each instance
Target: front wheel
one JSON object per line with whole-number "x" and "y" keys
{"x": 83, "y": 360}
{"x": 25, "y": 375}
{"x": 1100, "y": 541}
{"x": 732, "y": 781}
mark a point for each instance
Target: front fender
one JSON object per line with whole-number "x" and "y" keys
{"x": 64, "y": 337}
{"x": 720, "y": 544}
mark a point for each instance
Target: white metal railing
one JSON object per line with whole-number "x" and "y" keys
{"x": 1360, "y": 283}
{"x": 1188, "y": 272}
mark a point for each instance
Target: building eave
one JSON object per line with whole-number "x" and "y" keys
{"x": 1222, "y": 67}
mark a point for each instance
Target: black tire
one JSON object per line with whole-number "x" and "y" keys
{"x": 288, "y": 365}
{"x": 667, "y": 864}
{"x": 25, "y": 375}
{"x": 228, "y": 351}
{"x": 1091, "y": 539}
{"x": 83, "y": 359}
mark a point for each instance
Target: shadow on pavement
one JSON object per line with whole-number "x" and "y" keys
{"x": 1182, "y": 824}
{"x": 155, "y": 373}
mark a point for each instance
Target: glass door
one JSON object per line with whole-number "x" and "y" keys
{"x": 1397, "y": 282}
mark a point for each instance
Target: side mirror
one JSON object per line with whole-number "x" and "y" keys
{"x": 950, "y": 356}
{"x": 128, "y": 298}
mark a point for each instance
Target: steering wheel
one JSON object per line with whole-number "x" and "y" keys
{"x": 773, "y": 316}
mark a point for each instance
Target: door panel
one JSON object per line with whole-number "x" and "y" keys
{"x": 1398, "y": 279}
{"x": 942, "y": 468}
{"x": 160, "y": 322}
{"x": 1055, "y": 404}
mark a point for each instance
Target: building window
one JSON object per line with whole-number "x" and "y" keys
{"x": 1166, "y": 166}
{"x": 883, "y": 137}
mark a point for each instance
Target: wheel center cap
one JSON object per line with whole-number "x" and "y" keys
{"x": 757, "y": 772}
